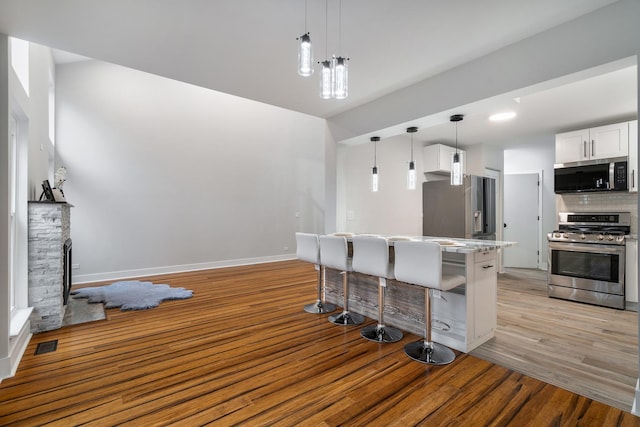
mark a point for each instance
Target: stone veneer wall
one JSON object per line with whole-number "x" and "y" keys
{"x": 49, "y": 229}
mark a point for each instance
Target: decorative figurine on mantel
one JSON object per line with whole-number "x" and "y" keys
{"x": 60, "y": 178}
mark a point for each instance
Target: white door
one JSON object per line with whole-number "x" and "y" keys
{"x": 521, "y": 220}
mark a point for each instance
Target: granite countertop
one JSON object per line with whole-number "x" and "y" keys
{"x": 448, "y": 244}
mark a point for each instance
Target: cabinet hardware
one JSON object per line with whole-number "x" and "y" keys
{"x": 487, "y": 266}
{"x": 593, "y": 147}
{"x": 584, "y": 148}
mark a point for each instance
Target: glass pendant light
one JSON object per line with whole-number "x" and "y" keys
{"x": 325, "y": 80}
{"x": 340, "y": 77}
{"x": 305, "y": 56}
{"x": 456, "y": 161}
{"x": 326, "y": 72}
{"x": 411, "y": 173}
{"x": 339, "y": 67}
{"x": 305, "y": 50}
{"x": 374, "y": 171}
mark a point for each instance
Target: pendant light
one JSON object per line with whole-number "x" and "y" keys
{"x": 326, "y": 72}
{"x": 340, "y": 68}
{"x": 305, "y": 50}
{"x": 374, "y": 170}
{"x": 411, "y": 173}
{"x": 456, "y": 161}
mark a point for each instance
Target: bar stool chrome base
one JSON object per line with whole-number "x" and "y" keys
{"x": 319, "y": 307}
{"x": 381, "y": 333}
{"x": 431, "y": 353}
{"x": 346, "y": 318}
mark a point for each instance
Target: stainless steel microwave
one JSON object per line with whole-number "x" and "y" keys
{"x": 602, "y": 175}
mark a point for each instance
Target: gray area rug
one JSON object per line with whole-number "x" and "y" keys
{"x": 132, "y": 295}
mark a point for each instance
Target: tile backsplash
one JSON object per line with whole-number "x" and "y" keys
{"x": 600, "y": 202}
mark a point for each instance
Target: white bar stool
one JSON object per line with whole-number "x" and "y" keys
{"x": 308, "y": 249}
{"x": 371, "y": 256}
{"x": 334, "y": 254}
{"x": 420, "y": 263}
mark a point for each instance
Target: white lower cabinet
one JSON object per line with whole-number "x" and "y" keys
{"x": 631, "y": 271}
{"x": 485, "y": 296}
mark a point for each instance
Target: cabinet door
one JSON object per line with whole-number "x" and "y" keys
{"x": 633, "y": 157}
{"x": 609, "y": 141}
{"x": 572, "y": 146}
{"x": 485, "y": 295}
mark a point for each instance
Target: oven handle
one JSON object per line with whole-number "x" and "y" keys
{"x": 587, "y": 247}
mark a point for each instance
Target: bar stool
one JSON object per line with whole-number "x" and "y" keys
{"x": 420, "y": 263}
{"x": 371, "y": 256}
{"x": 334, "y": 254}
{"x": 308, "y": 249}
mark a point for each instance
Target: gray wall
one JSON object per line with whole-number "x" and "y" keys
{"x": 167, "y": 176}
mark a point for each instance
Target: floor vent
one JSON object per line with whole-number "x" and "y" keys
{"x": 47, "y": 347}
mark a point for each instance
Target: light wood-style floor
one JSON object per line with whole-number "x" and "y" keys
{"x": 243, "y": 352}
{"x": 590, "y": 350}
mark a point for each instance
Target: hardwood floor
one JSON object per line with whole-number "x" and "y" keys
{"x": 243, "y": 352}
{"x": 590, "y": 350}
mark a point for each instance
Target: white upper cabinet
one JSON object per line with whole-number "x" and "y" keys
{"x": 632, "y": 179}
{"x": 572, "y": 146}
{"x": 600, "y": 142}
{"x": 436, "y": 158}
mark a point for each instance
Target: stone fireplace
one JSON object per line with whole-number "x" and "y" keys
{"x": 49, "y": 263}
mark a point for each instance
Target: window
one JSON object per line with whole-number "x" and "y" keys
{"x": 13, "y": 180}
{"x": 52, "y": 111}
{"x": 20, "y": 61}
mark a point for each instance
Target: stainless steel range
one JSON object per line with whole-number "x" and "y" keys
{"x": 587, "y": 258}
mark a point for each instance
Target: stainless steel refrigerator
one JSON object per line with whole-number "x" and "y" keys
{"x": 464, "y": 211}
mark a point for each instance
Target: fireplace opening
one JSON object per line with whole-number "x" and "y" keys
{"x": 66, "y": 274}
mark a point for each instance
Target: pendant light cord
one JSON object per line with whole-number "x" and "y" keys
{"x": 340, "y": 29}
{"x": 412, "y": 147}
{"x": 326, "y": 28}
{"x": 375, "y": 154}
{"x": 305, "y": 16}
{"x": 456, "y": 137}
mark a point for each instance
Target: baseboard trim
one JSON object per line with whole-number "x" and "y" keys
{"x": 17, "y": 346}
{"x": 155, "y": 271}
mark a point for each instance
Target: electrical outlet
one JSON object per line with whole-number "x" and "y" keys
{"x": 75, "y": 266}
{"x": 286, "y": 248}
{"x": 437, "y": 293}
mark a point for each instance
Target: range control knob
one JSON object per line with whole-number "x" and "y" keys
{"x": 610, "y": 237}
{"x": 583, "y": 236}
{"x": 619, "y": 238}
{"x": 557, "y": 235}
{"x": 600, "y": 236}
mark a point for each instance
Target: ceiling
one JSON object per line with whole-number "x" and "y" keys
{"x": 248, "y": 48}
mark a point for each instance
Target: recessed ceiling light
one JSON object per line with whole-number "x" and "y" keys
{"x": 500, "y": 117}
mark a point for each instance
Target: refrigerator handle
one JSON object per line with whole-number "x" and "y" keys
{"x": 477, "y": 222}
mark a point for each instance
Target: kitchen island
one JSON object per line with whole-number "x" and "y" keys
{"x": 469, "y": 309}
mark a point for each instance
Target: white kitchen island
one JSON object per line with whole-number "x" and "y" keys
{"x": 470, "y": 310}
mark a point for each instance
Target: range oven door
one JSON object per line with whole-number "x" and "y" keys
{"x": 587, "y": 272}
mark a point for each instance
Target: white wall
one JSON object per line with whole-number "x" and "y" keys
{"x": 392, "y": 210}
{"x": 533, "y": 157}
{"x": 167, "y": 176}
